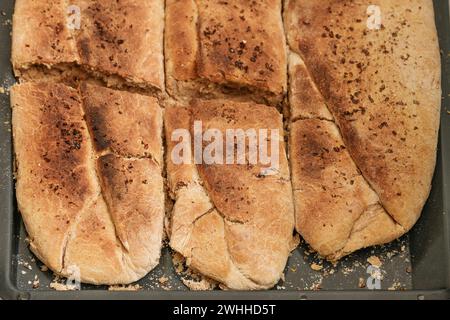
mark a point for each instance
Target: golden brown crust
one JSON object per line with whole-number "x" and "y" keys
{"x": 104, "y": 219}
{"x": 133, "y": 191}
{"x": 383, "y": 95}
{"x": 330, "y": 194}
{"x": 305, "y": 100}
{"x": 119, "y": 42}
{"x": 226, "y": 220}
{"x": 54, "y": 42}
{"x": 52, "y": 170}
{"x": 229, "y": 47}
{"x": 124, "y": 123}
{"x": 124, "y": 38}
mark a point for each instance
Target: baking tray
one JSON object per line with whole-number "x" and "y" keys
{"x": 416, "y": 266}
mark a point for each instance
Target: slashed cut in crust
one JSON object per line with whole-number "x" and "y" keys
{"x": 118, "y": 42}
{"x": 365, "y": 117}
{"x": 225, "y": 48}
{"x": 231, "y": 222}
{"x": 91, "y": 201}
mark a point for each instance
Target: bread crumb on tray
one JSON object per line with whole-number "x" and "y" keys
{"x": 375, "y": 261}
{"x": 131, "y": 287}
{"x": 316, "y": 267}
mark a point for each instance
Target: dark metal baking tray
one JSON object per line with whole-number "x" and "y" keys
{"x": 414, "y": 267}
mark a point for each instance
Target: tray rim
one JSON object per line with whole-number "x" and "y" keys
{"x": 9, "y": 291}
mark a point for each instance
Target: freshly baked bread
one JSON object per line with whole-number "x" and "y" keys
{"x": 363, "y": 84}
{"x": 234, "y": 49}
{"x": 232, "y": 223}
{"x": 120, "y": 43}
{"x": 92, "y": 200}
{"x": 365, "y": 102}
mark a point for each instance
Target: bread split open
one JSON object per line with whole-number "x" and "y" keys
{"x": 117, "y": 43}
{"x": 365, "y": 107}
{"x": 89, "y": 179}
{"x": 225, "y": 49}
{"x": 359, "y": 85}
{"x": 232, "y": 223}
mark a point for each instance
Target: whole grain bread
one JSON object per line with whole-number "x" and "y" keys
{"x": 90, "y": 201}
{"x": 231, "y": 222}
{"x": 233, "y": 49}
{"x": 120, "y": 43}
{"x": 365, "y": 105}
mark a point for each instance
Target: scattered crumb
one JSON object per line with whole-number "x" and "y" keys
{"x": 347, "y": 270}
{"x": 375, "y": 261}
{"x": 163, "y": 280}
{"x": 178, "y": 262}
{"x": 223, "y": 287}
{"x": 131, "y": 287}
{"x": 62, "y": 287}
{"x": 202, "y": 285}
{"x": 408, "y": 270}
{"x": 294, "y": 269}
{"x": 395, "y": 286}
{"x": 44, "y": 268}
{"x": 2, "y": 90}
{"x": 36, "y": 282}
{"x": 361, "y": 283}
{"x": 316, "y": 267}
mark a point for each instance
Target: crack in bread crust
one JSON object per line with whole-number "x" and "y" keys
{"x": 109, "y": 45}
{"x": 208, "y": 236}
{"x": 339, "y": 128}
{"x": 72, "y": 210}
{"x": 200, "y": 66}
{"x": 367, "y": 76}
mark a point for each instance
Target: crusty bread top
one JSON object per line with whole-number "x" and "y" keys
{"x": 237, "y": 44}
{"x": 381, "y": 86}
{"x": 99, "y": 212}
{"x": 52, "y": 150}
{"x": 337, "y": 212}
{"x": 232, "y": 223}
{"x": 123, "y": 39}
{"x": 124, "y": 123}
{"x": 40, "y": 34}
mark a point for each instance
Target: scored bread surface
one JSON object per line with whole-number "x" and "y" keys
{"x": 88, "y": 205}
{"x": 361, "y": 109}
{"x": 231, "y": 222}
{"x": 369, "y": 147}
